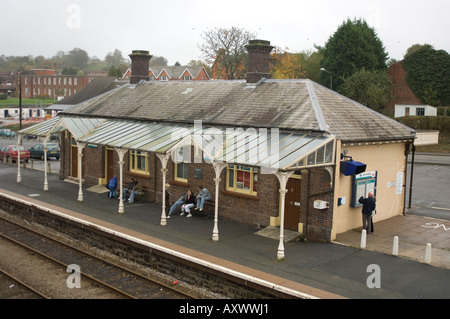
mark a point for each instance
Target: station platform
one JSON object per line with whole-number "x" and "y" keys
{"x": 318, "y": 270}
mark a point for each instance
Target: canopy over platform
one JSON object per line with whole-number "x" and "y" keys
{"x": 271, "y": 149}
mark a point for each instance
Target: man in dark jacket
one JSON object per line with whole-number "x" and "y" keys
{"x": 188, "y": 204}
{"x": 367, "y": 209}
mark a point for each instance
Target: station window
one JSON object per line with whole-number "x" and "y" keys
{"x": 242, "y": 179}
{"x": 181, "y": 168}
{"x": 139, "y": 162}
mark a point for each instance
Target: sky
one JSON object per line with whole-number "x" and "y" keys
{"x": 172, "y": 28}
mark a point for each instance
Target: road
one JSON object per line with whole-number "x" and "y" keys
{"x": 430, "y": 187}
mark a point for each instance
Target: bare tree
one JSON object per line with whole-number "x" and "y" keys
{"x": 114, "y": 58}
{"x": 224, "y": 49}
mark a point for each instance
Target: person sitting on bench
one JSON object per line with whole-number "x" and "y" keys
{"x": 202, "y": 197}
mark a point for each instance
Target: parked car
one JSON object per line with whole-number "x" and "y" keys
{"x": 37, "y": 151}
{"x": 11, "y": 151}
{"x": 7, "y": 132}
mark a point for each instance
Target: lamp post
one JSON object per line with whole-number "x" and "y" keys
{"x": 331, "y": 77}
{"x": 20, "y": 102}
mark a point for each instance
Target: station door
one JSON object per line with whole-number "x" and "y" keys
{"x": 292, "y": 203}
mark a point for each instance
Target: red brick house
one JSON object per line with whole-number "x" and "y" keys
{"x": 46, "y": 83}
{"x": 174, "y": 73}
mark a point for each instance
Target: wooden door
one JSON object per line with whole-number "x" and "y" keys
{"x": 74, "y": 162}
{"x": 292, "y": 204}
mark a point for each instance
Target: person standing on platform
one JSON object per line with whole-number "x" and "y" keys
{"x": 112, "y": 185}
{"x": 367, "y": 210}
{"x": 167, "y": 194}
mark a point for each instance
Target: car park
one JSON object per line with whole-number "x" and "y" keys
{"x": 37, "y": 151}
{"x": 11, "y": 151}
{"x": 6, "y": 132}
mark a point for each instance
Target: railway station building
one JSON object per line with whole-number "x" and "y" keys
{"x": 291, "y": 154}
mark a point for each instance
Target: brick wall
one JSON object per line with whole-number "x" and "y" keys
{"x": 252, "y": 210}
{"x": 95, "y": 157}
{"x": 189, "y": 272}
{"x": 51, "y": 85}
{"x": 316, "y": 185}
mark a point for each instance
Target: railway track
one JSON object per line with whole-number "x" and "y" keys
{"x": 15, "y": 288}
{"x": 96, "y": 273}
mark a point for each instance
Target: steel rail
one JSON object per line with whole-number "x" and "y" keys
{"x": 24, "y": 284}
{"x": 152, "y": 280}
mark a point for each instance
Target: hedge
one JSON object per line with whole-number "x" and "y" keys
{"x": 434, "y": 123}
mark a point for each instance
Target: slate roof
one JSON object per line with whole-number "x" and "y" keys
{"x": 97, "y": 86}
{"x": 294, "y": 105}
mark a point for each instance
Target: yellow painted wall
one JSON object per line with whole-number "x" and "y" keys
{"x": 388, "y": 160}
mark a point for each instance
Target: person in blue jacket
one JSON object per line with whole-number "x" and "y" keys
{"x": 112, "y": 185}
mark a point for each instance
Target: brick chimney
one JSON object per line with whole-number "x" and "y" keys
{"x": 258, "y": 60}
{"x": 139, "y": 66}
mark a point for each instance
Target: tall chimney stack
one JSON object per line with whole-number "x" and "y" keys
{"x": 139, "y": 66}
{"x": 258, "y": 60}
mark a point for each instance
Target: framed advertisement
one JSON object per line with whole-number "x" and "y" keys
{"x": 362, "y": 185}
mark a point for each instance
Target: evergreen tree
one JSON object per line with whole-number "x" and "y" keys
{"x": 353, "y": 46}
{"x": 370, "y": 88}
{"x": 428, "y": 75}
{"x": 115, "y": 72}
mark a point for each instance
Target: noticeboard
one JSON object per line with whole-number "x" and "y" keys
{"x": 363, "y": 184}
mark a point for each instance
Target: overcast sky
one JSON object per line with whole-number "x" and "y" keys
{"x": 172, "y": 28}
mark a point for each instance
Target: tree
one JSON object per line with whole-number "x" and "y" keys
{"x": 311, "y": 64}
{"x": 285, "y": 65}
{"x": 114, "y": 58}
{"x": 370, "y": 88}
{"x": 77, "y": 58}
{"x": 158, "y": 61}
{"x": 353, "y": 46}
{"x": 428, "y": 75}
{"x": 224, "y": 49}
{"x": 115, "y": 72}
{"x": 70, "y": 71}
{"x": 416, "y": 47}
